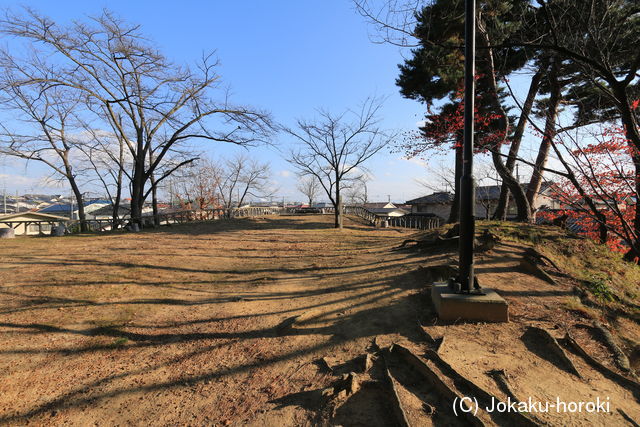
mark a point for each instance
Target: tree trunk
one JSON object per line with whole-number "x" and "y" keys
{"x": 82, "y": 218}
{"x": 137, "y": 192}
{"x": 454, "y": 214}
{"x": 503, "y": 201}
{"x": 524, "y": 213}
{"x": 337, "y": 206}
{"x": 154, "y": 202}
{"x": 115, "y": 217}
{"x": 632, "y": 132}
{"x": 154, "y": 193}
{"x": 76, "y": 192}
{"x": 549, "y": 134}
{"x": 633, "y": 255}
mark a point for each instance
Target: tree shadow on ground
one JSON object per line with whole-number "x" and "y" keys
{"x": 339, "y": 313}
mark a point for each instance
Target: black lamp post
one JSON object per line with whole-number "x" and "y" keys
{"x": 466, "y": 277}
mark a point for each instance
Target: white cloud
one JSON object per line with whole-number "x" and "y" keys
{"x": 12, "y": 180}
{"x": 416, "y": 161}
{"x": 284, "y": 173}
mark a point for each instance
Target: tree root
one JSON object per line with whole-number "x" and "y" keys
{"x": 434, "y": 342}
{"x": 514, "y": 418}
{"x": 401, "y": 416}
{"x": 629, "y": 384}
{"x": 553, "y": 345}
{"x": 432, "y": 377}
{"x": 620, "y": 358}
{"x": 483, "y": 243}
{"x": 531, "y": 265}
{"x": 500, "y": 377}
{"x": 540, "y": 257}
{"x": 439, "y": 242}
{"x": 439, "y": 273}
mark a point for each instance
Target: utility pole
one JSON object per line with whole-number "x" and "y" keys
{"x": 467, "y": 183}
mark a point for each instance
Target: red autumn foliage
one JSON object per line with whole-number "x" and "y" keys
{"x": 606, "y": 172}
{"x": 444, "y": 130}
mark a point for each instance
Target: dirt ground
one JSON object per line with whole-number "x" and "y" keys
{"x": 226, "y": 323}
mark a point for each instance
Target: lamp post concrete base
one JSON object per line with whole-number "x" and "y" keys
{"x": 485, "y": 307}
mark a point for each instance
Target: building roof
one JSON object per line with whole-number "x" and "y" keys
{"x": 379, "y": 205}
{"x": 387, "y": 211}
{"x": 42, "y": 216}
{"x": 108, "y": 210}
{"x": 66, "y": 207}
{"x": 441, "y": 197}
{"x": 484, "y": 192}
{"x": 488, "y": 192}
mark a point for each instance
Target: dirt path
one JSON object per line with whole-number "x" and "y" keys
{"x": 182, "y": 325}
{"x": 224, "y": 323}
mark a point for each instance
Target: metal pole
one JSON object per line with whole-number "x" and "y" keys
{"x": 467, "y": 185}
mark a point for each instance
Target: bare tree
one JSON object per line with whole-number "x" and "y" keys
{"x": 309, "y": 187}
{"x": 333, "y": 148}
{"x": 358, "y": 193}
{"x": 393, "y": 21}
{"x": 46, "y": 129}
{"x": 155, "y": 105}
{"x": 197, "y": 186}
{"x": 240, "y": 177}
{"x": 106, "y": 159}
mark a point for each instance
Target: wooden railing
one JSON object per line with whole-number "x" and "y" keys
{"x": 32, "y": 227}
{"x": 417, "y": 222}
{"x": 362, "y": 213}
{"x": 41, "y": 227}
{"x": 408, "y": 221}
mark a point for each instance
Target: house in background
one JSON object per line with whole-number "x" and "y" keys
{"x": 30, "y": 223}
{"x": 106, "y": 212}
{"x": 379, "y": 205}
{"x": 388, "y": 212}
{"x": 70, "y": 210}
{"x": 384, "y": 209}
{"x": 27, "y": 202}
{"x": 403, "y": 206}
{"x": 438, "y": 204}
{"x": 487, "y": 197}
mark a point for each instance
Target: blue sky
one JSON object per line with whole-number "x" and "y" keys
{"x": 288, "y": 57}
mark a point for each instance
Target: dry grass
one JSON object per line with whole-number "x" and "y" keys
{"x": 183, "y": 320}
{"x": 184, "y": 325}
